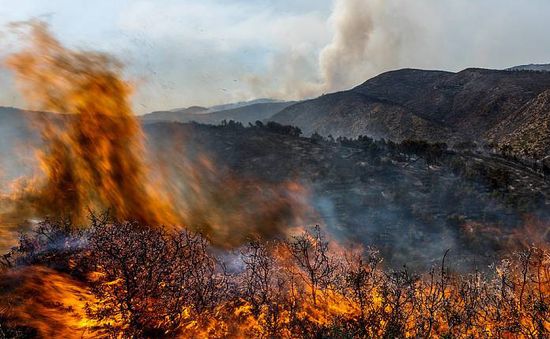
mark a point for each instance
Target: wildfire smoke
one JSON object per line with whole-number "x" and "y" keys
{"x": 126, "y": 278}
{"x": 93, "y": 155}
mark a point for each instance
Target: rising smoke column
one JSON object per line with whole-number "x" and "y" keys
{"x": 366, "y": 40}
{"x": 353, "y": 26}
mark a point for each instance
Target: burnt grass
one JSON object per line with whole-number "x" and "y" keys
{"x": 413, "y": 200}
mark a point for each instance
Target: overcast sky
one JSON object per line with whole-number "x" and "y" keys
{"x": 205, "y": 52}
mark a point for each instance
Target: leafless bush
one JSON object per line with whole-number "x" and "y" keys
{"x": 264, "y": 287}
{"x": 362, "y": 277}
{"x": 311, "y": 253}
{"x": 153, "y": 282}
{"x": 153, "y": 279}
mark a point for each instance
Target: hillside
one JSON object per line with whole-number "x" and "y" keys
{"x": 380, "y": 193}
{"x": 351, "y": 114}
{"x": 397, "y": 197}
{"x": 419, "y": 104}
{"x": 526, "y": 132}
{"x": 531, "y": 67}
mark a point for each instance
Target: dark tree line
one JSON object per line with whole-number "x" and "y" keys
{"x": 270, "y": 126}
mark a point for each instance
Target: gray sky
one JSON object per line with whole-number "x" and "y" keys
{"x": 182, "y": 52}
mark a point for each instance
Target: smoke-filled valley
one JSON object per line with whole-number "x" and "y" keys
{"x": 415, "y": 205}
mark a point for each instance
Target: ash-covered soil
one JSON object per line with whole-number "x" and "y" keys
{"x": 412, "y": 204}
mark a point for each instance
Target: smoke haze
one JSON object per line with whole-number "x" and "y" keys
{"x": 373, "y": 36}
{"x": 187, "y": 53}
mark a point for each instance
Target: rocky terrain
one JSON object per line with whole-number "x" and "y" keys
{"x": 474, "y": 104}
{"x": 526, "y": 133}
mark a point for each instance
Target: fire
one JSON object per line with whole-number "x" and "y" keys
{"x": 93, "y": 154}
{"x": 42, "y": 300}
{"x": 133, "y": 280}
{"x": 94, "y": 157}
{"x": 125, "y": 278}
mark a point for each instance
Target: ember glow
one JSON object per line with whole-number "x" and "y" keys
{"x": 145, "y": 282}
{"x": 49, "y": 303}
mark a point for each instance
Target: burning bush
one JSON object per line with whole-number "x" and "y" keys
{"x": 150, "y": 279}
{"x": 151, "y": 282}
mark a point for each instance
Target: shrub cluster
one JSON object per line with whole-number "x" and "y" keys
{"x": 154, "y": 282}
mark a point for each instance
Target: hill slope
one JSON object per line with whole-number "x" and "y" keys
{"x": 374, "y": 193}
{"x": 419, "y": 104}
{"x": 527, "y": 131}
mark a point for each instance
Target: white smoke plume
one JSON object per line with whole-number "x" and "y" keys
{"x": 346, "y": 57}
{"x": 369, "y": 37}
{"x": 360, "y": 46}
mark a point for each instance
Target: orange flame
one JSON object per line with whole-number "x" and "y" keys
{"x": 93, "y": 156}
{"x": 51, "y": 303}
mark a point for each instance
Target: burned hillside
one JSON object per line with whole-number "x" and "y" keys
{"x": 399, "y": 197}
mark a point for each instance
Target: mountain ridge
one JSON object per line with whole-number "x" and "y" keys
{"x": 422, "y": 104}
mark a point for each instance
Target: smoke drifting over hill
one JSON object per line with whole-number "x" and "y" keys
{"x": 240, "y": 49}
{"x": 373, "y": 36}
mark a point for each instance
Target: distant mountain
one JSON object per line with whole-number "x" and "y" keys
{"x": 246, "y": 114}
{"x": 431, "y": 105}
{"x": 192, "y": 110}
{"x": 243, "y": 112}
{"x": 242, "y": 104}
{"x": 173, "y": 114}
{"x": 510, "y": 110}
{"x": 531, "y": 67}
{"x": 223, "y": 107}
